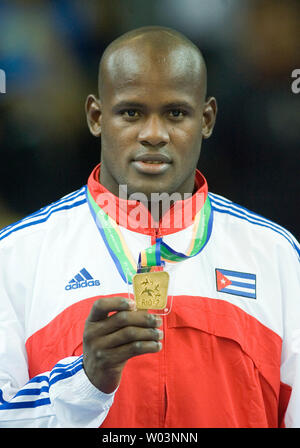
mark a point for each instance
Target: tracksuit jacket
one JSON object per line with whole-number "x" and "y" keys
{"x": 230, "y": 355}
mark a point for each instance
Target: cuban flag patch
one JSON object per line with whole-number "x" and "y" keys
{"x": 237, "y": 283}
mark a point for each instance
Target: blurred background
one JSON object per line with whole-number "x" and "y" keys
{"x": 50, "y": 52}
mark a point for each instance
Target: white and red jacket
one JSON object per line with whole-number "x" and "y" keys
{"x": 230, "y": 355}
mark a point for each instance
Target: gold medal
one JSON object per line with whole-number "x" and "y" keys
{"x": 151, "y": 290}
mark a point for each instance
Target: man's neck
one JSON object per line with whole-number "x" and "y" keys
{"x": 158, "y": 203}
{"x": 135, "y": 216}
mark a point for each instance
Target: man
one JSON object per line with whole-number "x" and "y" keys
{"x": 78, "y": 349}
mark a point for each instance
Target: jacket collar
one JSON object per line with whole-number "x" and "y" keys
{"x": 135, "y": 216}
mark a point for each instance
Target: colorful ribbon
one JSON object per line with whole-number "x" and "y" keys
{"x": 155, "y": 255}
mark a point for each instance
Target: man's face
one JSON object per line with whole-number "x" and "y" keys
{"x": 152, "y": 113}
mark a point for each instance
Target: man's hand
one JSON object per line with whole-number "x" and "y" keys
{"x": 109, "y": 341}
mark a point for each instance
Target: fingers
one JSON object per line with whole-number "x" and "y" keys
{"x": 102, "y": 307}
{"x": 119, "y": 355}
{"x": 131, "y": 334}
{"x": 127, "y": 320}
{"x": 109, "y": 340}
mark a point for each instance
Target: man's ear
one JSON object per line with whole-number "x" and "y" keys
{"x": 93, "y": 115}
{"x": 209, "y": 116}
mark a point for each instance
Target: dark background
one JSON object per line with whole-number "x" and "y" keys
{"x": 50, "y": 52}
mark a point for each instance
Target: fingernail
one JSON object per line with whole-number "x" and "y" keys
{"x": 131, "y": 304}
{"x": 158, "y": 321}
{"x": 160, "y": 334}
{"x": 159, "y": 345}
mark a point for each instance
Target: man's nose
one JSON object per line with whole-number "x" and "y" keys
{"x": 154, "y": 132}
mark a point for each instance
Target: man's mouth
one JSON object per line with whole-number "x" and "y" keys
{"x": 151, "y": 163}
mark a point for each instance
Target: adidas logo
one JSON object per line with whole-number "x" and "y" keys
{"x": 82, "y": 280}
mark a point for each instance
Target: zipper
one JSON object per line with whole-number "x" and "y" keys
{"x": 164, "y": 377}
{"x": 163, "y": 399}
{"x": 156, "y": 233}
{"x": 164, "y": 403}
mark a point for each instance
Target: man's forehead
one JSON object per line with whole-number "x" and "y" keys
{"x": 139, "y": 63}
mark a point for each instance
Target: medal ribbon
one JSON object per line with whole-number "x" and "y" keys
{"x": 155, "y": 255}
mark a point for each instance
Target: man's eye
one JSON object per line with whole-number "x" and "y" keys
{"x": 176, "y": 113}
{"x": 132, "y": 113}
